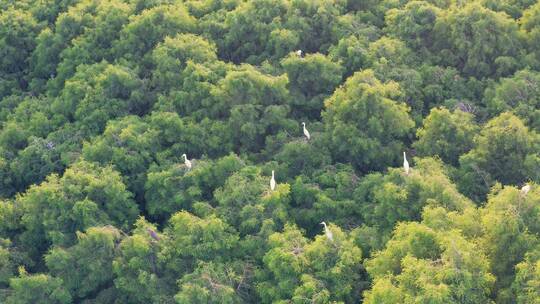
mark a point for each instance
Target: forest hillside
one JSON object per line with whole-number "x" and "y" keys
{"x": 269, "y": 151}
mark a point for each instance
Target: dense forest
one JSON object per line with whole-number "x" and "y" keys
{"x": 269, "y": 151}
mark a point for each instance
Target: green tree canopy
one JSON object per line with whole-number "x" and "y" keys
{"x": 519, "y": 94}
{"x": 505, "y": 151}
{"x": 530, "y": 24}
{"x": 98, "y": 93}
{"x": 150, "y": 27}
{"x": 510, "y": 229}
{"x": 155, "y": 151}
{"x": 478, "y": 41}
{"x": 172, "y": 56}
{"x": 365, "y": 124}
{"x": 385, "y": 200}
{"x": 86, "y": 195}
{"x": 311, "y": 78}
{"x": 419, "y": 263}
{"x": 91, "y": 257}
{"x": 18, "y": 31}
{"x": 319, "y": 271}
{"x": 526, "y": 285}
{"x": 36, "y": 288}
{"x": 446, "y": 134}
{"x": 176, "y": 188}
{"x": 414, "y": 24}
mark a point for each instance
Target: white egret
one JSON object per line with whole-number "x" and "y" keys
{"x": 328, "y": 233}
{"x": 299, "y": 53}
{"x": 306, "y": 132}
{"x": 187, "y": 162}
{"x": 525, "y": 189}
{"x": 405, "y": 164}
{"x": 272, "y": 182}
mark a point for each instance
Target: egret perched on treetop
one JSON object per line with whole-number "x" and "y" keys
{"x": 328, "y": 233}
{"x": 405, "y": 164}
{"x": 272, "y": 182}
{"x": 525, "y": 189}
{"x": 306, "y": 132}
{"x": 299, "y": 53}
{"x": 187, "y": 162}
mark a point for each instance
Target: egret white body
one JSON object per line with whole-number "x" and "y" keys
{"x": 272, "y": 182}
{"x": 405, "y": 164}
{"x": 187, "y": 162}
{"x": 329, "y": 234}
{"x": 525, "y": 189}
{"x": 299, "y": 53}
{"x": 306, "y": 132}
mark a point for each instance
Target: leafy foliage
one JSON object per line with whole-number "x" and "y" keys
{"x": 187, "y": 151}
